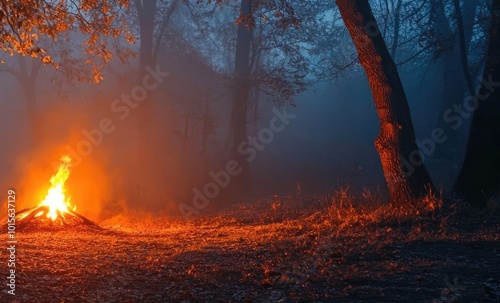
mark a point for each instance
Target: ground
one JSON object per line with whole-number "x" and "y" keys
{"x": 278, "y": 249}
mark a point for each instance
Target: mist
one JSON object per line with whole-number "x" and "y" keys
{"x": 250, "y": 151}
{"x": 131, "y": 155}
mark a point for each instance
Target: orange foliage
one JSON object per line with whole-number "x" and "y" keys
{"x": 24, "y": 23}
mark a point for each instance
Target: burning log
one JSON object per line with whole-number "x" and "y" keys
{"x": 39, "y": 216}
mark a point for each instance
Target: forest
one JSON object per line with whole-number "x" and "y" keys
{"x": 250, "y": 150}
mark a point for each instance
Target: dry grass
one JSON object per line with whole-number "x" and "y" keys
{"x": 334, "y": 248}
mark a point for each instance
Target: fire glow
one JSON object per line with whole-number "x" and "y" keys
{"x": 56, "y": 199}
{"x": 55, "y": 209}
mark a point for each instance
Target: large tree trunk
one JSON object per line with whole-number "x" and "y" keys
{"x": 406, "y": 176}
{"x": 242, "y": 182}
{"x": 479, "y": 178}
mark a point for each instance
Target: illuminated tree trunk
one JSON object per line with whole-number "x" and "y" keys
{"x": 479, "y": 178}
{"x": 242, "y": 183}
{"x": 406, "y": 176}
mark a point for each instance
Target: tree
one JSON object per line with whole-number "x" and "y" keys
{"x": 151, "y": 35}
{"x": 240, "y": 93}
{"x": 397, "y": 23}
{"x": 396, "y": 141}
{"x": 24, "y": 24}
{"x": 479, "y": 178}
{"x": 151, "y": 20}
{"x": 146, "y": 12}
{"x": 451, "y": 53}
{"x": 26, "y": 74}
{"x": 47, "y": 32}
{"x": 264, "y": 63}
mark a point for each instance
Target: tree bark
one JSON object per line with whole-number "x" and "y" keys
{"x": 242, "y": 183}
{"x": 479, "y": 177}
{"x": 406, "y": 176}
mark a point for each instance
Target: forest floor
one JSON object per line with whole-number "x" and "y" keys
{"x": 277, "y": 249}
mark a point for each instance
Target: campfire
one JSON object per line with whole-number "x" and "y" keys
{"x": 55, "y": 209}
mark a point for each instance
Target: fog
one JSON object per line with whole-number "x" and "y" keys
{"x": 151, "y": 156}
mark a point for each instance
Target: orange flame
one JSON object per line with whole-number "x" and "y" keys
{"x": 56, "y": 198}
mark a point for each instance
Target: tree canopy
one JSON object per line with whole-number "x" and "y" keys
{"x": 31, "y": 27}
